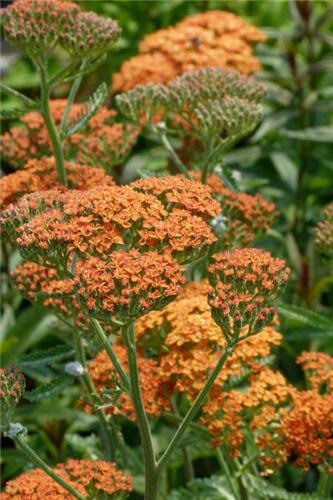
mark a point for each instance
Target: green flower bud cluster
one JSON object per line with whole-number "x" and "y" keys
{"x": 12, "y": 388}
{"x": 243, "y": 284}
{"x": 213, "y": 104}
{"x": 37, "y": 26}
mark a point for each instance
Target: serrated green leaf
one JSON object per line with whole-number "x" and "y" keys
{"x": 57, "y": 385}
{"x": 45, "y": 357}
{"x": 305, "y": 316}
{"x": 87, "y": 111}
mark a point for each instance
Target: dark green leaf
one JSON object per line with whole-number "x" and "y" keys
{"x": 54, "y": 387}
{"x": 46, "y": 357}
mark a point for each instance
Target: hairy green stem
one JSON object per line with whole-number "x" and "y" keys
{"x": 226, "y": 471}
{"x": 23, "y": 446}
{"x": 107, "y": 346}
{"x": 106, "y": 434}
{"x": 51, "y": 128}
{"x": 151, "y": 471}
{"x": 193, "y": 410}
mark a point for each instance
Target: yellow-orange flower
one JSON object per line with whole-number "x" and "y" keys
{"x": 213, "y": 38}
{"x": 90, "y": 478}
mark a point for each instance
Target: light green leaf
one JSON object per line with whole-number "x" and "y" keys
{"x": 316, "y": 134}
{"x": 286, "y": 169}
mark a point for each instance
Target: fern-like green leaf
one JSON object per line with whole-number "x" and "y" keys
{"x": 45, "y": 357}
{"x": 212, "y": 488}
{"x": 263, "y": 489}
{"x": 57, "y": 385}
{"x": 87, "y": 112}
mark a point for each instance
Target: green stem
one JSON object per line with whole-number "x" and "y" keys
{"x": 22, "y": 445}
{"x": 193, "y": 410}
{"x": 71, "y": 96}
{"x": 151, "y": 471}
{"x": 106, "y": 435}
{"x": 226, "y": 471}
{"x": 51, "y": 128}
{"x": 107, "y": 346}
{"x": 172, "y": 153}
{"x": 188, "y": 464}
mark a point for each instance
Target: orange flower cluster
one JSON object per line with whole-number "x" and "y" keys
{"x": 129, "y": 285}
{"x": 37, "y": 26}
{"x": 307, "y": 429}
{"x": 105, "y": 378}
{"x": 243, "y": 283}
{"x": 213, "y": 38}
{"x": 318, "y": 368}
{"x": 103, "y": 141}
{"x": 229, "y": 413}
{"x": 178, "y": 192}
{"x": 187, "y": 343}
{"x": 91, "y": 479}
{"x": 324, "y": 232}
{"x": 51, "y": 225}
{"x": 41, "y": 175}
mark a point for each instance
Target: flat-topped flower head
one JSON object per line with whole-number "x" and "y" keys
{"x": 12, "y": 388}
{"x": 49, "y": 226}
{"x": 178, "y": 192}
{"x": 129, "y": 285}
{"x": 244, "y": 282}
{"x": 41, "y": 175}
{"x": 213, "y": 38}
{"x": 91, "y": 479}
{"x": 324, "y": 232}
{"x": 89, "y": 35}
{"x": 144, "y": 104}
{"x": 103, "y": 141}
{"x": 34, "y": 25}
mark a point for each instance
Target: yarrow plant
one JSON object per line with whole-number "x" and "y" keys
{"x": 166, "y": 312}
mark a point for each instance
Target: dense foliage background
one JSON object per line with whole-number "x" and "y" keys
{"x": 287, "y": 159}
